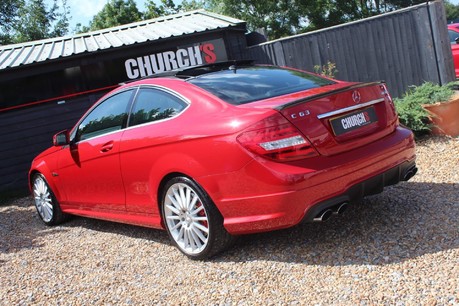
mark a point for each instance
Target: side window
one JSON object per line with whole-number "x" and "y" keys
{"x": 153, "y": 105}
{"x": 108, "y": 116}
{"x": 453, "y": 35}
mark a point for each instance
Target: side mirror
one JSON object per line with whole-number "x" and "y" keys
{"x": 457, "y": 40}
{"x": 61, "y": 139}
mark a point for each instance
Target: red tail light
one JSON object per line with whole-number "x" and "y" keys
{"x": 277, "y": 139}
{"x": 386, "y": 94}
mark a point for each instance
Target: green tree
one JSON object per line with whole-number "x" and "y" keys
{"x": 327, "y": 13}
{"x": 277, "y": 17}
{"x": 61, "y": 28}
{"x": 153, "y": 10}
{"x": 286, "y": 17}
{"x": 119, "y": 12}
{"x": 8, "y": 11}
{"x": 114, "y": 13}
{"x": 396, "y": 4}
{"x": 8, "y": 15}
{"x": 452, "y": 11}
{"x": 168, "y": 7}
{"x": 193, "y": 5}
{"x": 34, "y": 21}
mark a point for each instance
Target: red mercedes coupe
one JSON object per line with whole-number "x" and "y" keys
{"x": 212, "y": 152}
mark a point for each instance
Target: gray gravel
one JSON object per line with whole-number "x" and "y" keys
{"x": 397, "y": 248}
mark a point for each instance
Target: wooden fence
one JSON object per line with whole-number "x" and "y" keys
{"x": 405, "y": 47}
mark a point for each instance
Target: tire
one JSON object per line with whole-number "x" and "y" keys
{"x": 46, "y": 204}
{"x": 194, "y": 224}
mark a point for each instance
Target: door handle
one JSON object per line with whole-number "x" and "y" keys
{"x": 107, "y": 147}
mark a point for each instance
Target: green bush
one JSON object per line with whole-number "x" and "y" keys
{"x": 329, "y": 70}
{"x": 409, "y": 107}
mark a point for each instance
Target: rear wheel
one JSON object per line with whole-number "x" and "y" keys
{"x": 47, "y": 206}
{"x": 192, "y": 221}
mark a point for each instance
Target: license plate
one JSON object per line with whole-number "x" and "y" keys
{"x": 353, "y": 121}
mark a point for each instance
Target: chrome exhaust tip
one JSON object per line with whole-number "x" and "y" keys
{"x": 324, "y": 215}
{"x": 340, "y": 208}
{"x": 410, "y": 173}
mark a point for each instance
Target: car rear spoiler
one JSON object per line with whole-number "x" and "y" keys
{"x": 328, "y": 93}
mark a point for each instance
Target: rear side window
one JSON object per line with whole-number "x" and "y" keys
{"x": 248, "y": 84}
{"x": 154, "y": 105}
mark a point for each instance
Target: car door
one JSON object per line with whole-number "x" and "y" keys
{"x": 148, "y": 136}
{"x": 89, "y": 168}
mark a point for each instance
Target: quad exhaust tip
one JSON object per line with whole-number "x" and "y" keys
{"x": 325, "y": 214}
{"x": 339, "y": 209}
{"x": 410, "y": 173}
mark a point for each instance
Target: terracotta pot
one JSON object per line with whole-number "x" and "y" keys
{"x": 445, "y": 117}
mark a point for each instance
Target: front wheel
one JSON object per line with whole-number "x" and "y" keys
{"x": 45, "y": 202}
{"x": 191, "y": 219}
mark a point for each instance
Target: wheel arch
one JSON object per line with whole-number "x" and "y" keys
{"x": 194, "y": 163}
{"x": 173, "y": 165}
{"x": 43, "y": 169}
{"x": 160, "y": 190}
{"x": 31, "y": 175}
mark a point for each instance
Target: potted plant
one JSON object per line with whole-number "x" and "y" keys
{"x": 430, "y": 108}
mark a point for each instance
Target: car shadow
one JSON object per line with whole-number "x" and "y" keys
{"x": 21, "y": 228}
{"x": 397, "y": 225}
{"x": 127, "y": 230}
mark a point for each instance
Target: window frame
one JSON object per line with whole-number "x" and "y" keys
{"x": 74, "y": 131}
{"x": 164, "y": 90}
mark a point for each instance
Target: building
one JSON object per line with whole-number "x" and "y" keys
{"x": 45, "y": 86}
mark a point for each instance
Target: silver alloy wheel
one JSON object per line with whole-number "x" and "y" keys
{"x": 43, "y": 199}
{"x": 186, "y": 218}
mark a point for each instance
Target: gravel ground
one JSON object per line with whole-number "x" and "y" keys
{"x": 397, "y": 248}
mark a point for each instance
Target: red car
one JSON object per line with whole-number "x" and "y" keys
{"x": 212, "y": 152}
{"x": 453, "y": 31}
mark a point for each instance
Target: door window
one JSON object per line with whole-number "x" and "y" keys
{"x": 154, "y": 105}
{"x": 108, "y": 116}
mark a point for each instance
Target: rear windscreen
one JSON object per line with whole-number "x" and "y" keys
{"x": 244, "y": 85}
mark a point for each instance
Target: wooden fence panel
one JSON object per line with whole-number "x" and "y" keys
{"x": 27, "y": 132}
{"x": 406, "y": 47}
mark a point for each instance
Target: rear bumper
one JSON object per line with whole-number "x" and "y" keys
{"x": 266, "y": 195}
{"x": 373, "y": 185}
